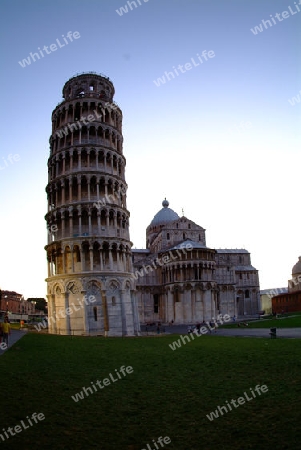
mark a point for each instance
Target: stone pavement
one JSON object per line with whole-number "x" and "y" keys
{"x": 293, "y": 333}
{"x": 13, "y": 338}
{"x": 259, "y": 332}
{"x": 234, "y": 332}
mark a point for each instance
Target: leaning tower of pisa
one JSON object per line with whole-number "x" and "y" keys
{"x": 90, "y": 286}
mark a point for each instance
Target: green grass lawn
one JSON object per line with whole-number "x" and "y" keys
{"x": 169, "y": 393}
{"x": 286, "y": 321}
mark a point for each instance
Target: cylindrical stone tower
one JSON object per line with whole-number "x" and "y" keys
{"x": 90, "y": 285}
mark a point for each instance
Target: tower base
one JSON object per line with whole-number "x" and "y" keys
{"x": 90, "y": 306}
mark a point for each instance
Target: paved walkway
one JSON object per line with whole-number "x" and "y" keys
{"x": 235, "y": 332}
{"x": 259, "y": 332}
{"x": 293, "y": 333}
{"x": 13, "y": 338}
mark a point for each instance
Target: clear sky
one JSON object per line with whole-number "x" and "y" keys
{"x": 220, "y": 140}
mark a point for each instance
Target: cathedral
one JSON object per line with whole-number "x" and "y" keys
{"x": 97, "y": 284}
{"x": 181, "y": 280}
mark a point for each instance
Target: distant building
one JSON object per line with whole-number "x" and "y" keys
{"x": 266, "y": 296}
{"x": 15, "y": 303}
{"x": 182, "y": 280}
{"x": 290, "y": 301}
{"x": 294, "y": 285}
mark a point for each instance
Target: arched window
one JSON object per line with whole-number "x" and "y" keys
{"x": 168, "y": 236}
{"x": 113, "y": 301}
{"x": 247, "y": 293}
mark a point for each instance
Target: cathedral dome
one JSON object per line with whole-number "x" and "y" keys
{"x": 296, "y": 270}
{"x": 164, "y": 215}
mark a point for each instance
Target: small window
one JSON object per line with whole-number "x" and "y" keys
{"x": 91, "y": 87}
{"x": 95, "y": 313}
{"x": 177, "y": 225}
{"x": 156, "y": 303}
{"x": 240, "y": 276}
{"x": 189, "y": 226}
{"x": 184, "y": 236}
{"x": 168, "y": 237}
{"x": 247, "y": 294}
{"x": 113, "y": 301}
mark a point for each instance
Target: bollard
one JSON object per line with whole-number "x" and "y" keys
{"x": 273, "y": 333}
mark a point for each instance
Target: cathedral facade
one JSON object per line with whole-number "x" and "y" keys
{"x": 181, "y": 280}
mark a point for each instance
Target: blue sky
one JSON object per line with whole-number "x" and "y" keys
{"x": 221, "y": 141}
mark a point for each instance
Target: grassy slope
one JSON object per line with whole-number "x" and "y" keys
{"x": 168, "y": 394}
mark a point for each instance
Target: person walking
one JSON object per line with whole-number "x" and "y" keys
{"x": 6, "y": 330}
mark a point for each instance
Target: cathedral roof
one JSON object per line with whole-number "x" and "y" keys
{"x": 231, "y": 250}
{"x": 274, "y": 291}
{"x": 192, "y": 244}
{"x": 244, "y": 268}
{"x": 296, "y": 270}
{"x": 165, "y": 215}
